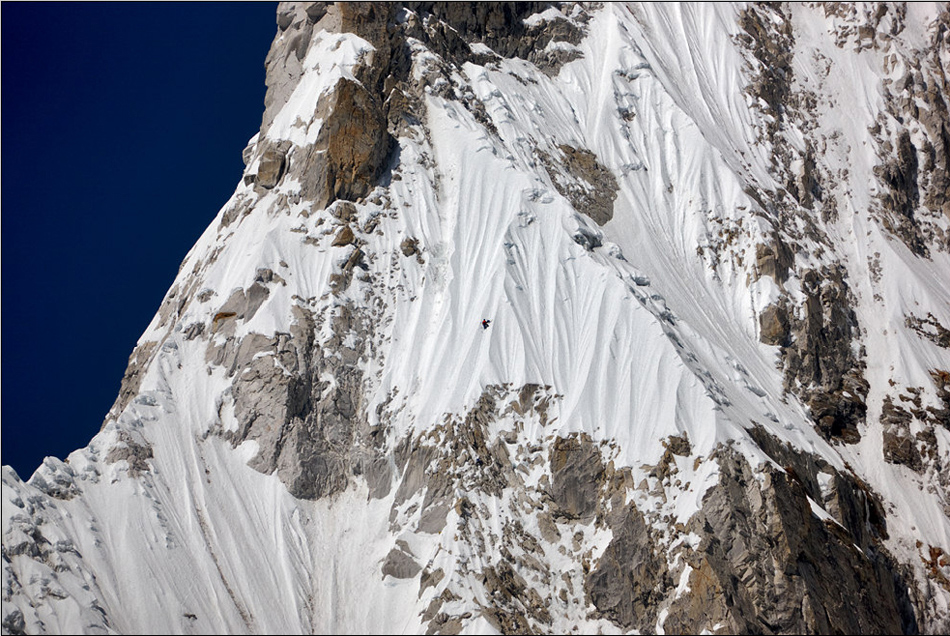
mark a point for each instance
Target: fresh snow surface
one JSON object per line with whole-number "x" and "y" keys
{"x": 640, "y": 339}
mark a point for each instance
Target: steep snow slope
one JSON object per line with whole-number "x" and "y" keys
{"x": 708, "y": 334}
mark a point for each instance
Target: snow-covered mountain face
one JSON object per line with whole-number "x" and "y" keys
{"x": 713, "y": 245}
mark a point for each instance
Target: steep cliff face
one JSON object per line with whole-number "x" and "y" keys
{"x": 714, "y": 393}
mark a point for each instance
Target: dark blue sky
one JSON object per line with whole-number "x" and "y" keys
{"x": 122, "y": 131}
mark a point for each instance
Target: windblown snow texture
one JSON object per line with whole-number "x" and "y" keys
{"x": 712, "y": 242}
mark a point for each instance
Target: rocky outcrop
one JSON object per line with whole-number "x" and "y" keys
{"x": 400, "y": 563}
{"x": 929, "y": 328}
{"x": 300, "y": 402}
{"x": 449, "y": 28}
{"x": 773, "y": 324}
{"x": 774, "y": 259}
{"x": 577, "y": 475}
{"x": 791, "y": 546}
{"x": 361, "y": 118}
{"x": 902, "y": 197}
{"x": 914, "y": 139}
{"x": 456, "y": 473}
{"x": 132, "y": 378}
{"x": 900, "y": 444}
{"x": 768, "y": 34}
{"x": 358, "y": 137}
{"x": 767, "y": 564}
{"x": 910, "y": 430}
{"x": 631, "y": 578}
{"x": 352, "y": 149}
{"x": 271, "y": 169}
{"x": 817, "y": 329}
{"x": 241, "y": 305}
{"x": 941, "y": 414}
{"x": 580, "y": 178}
{"x": 135, "y": 452}
{"x": 821, "y": 365}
